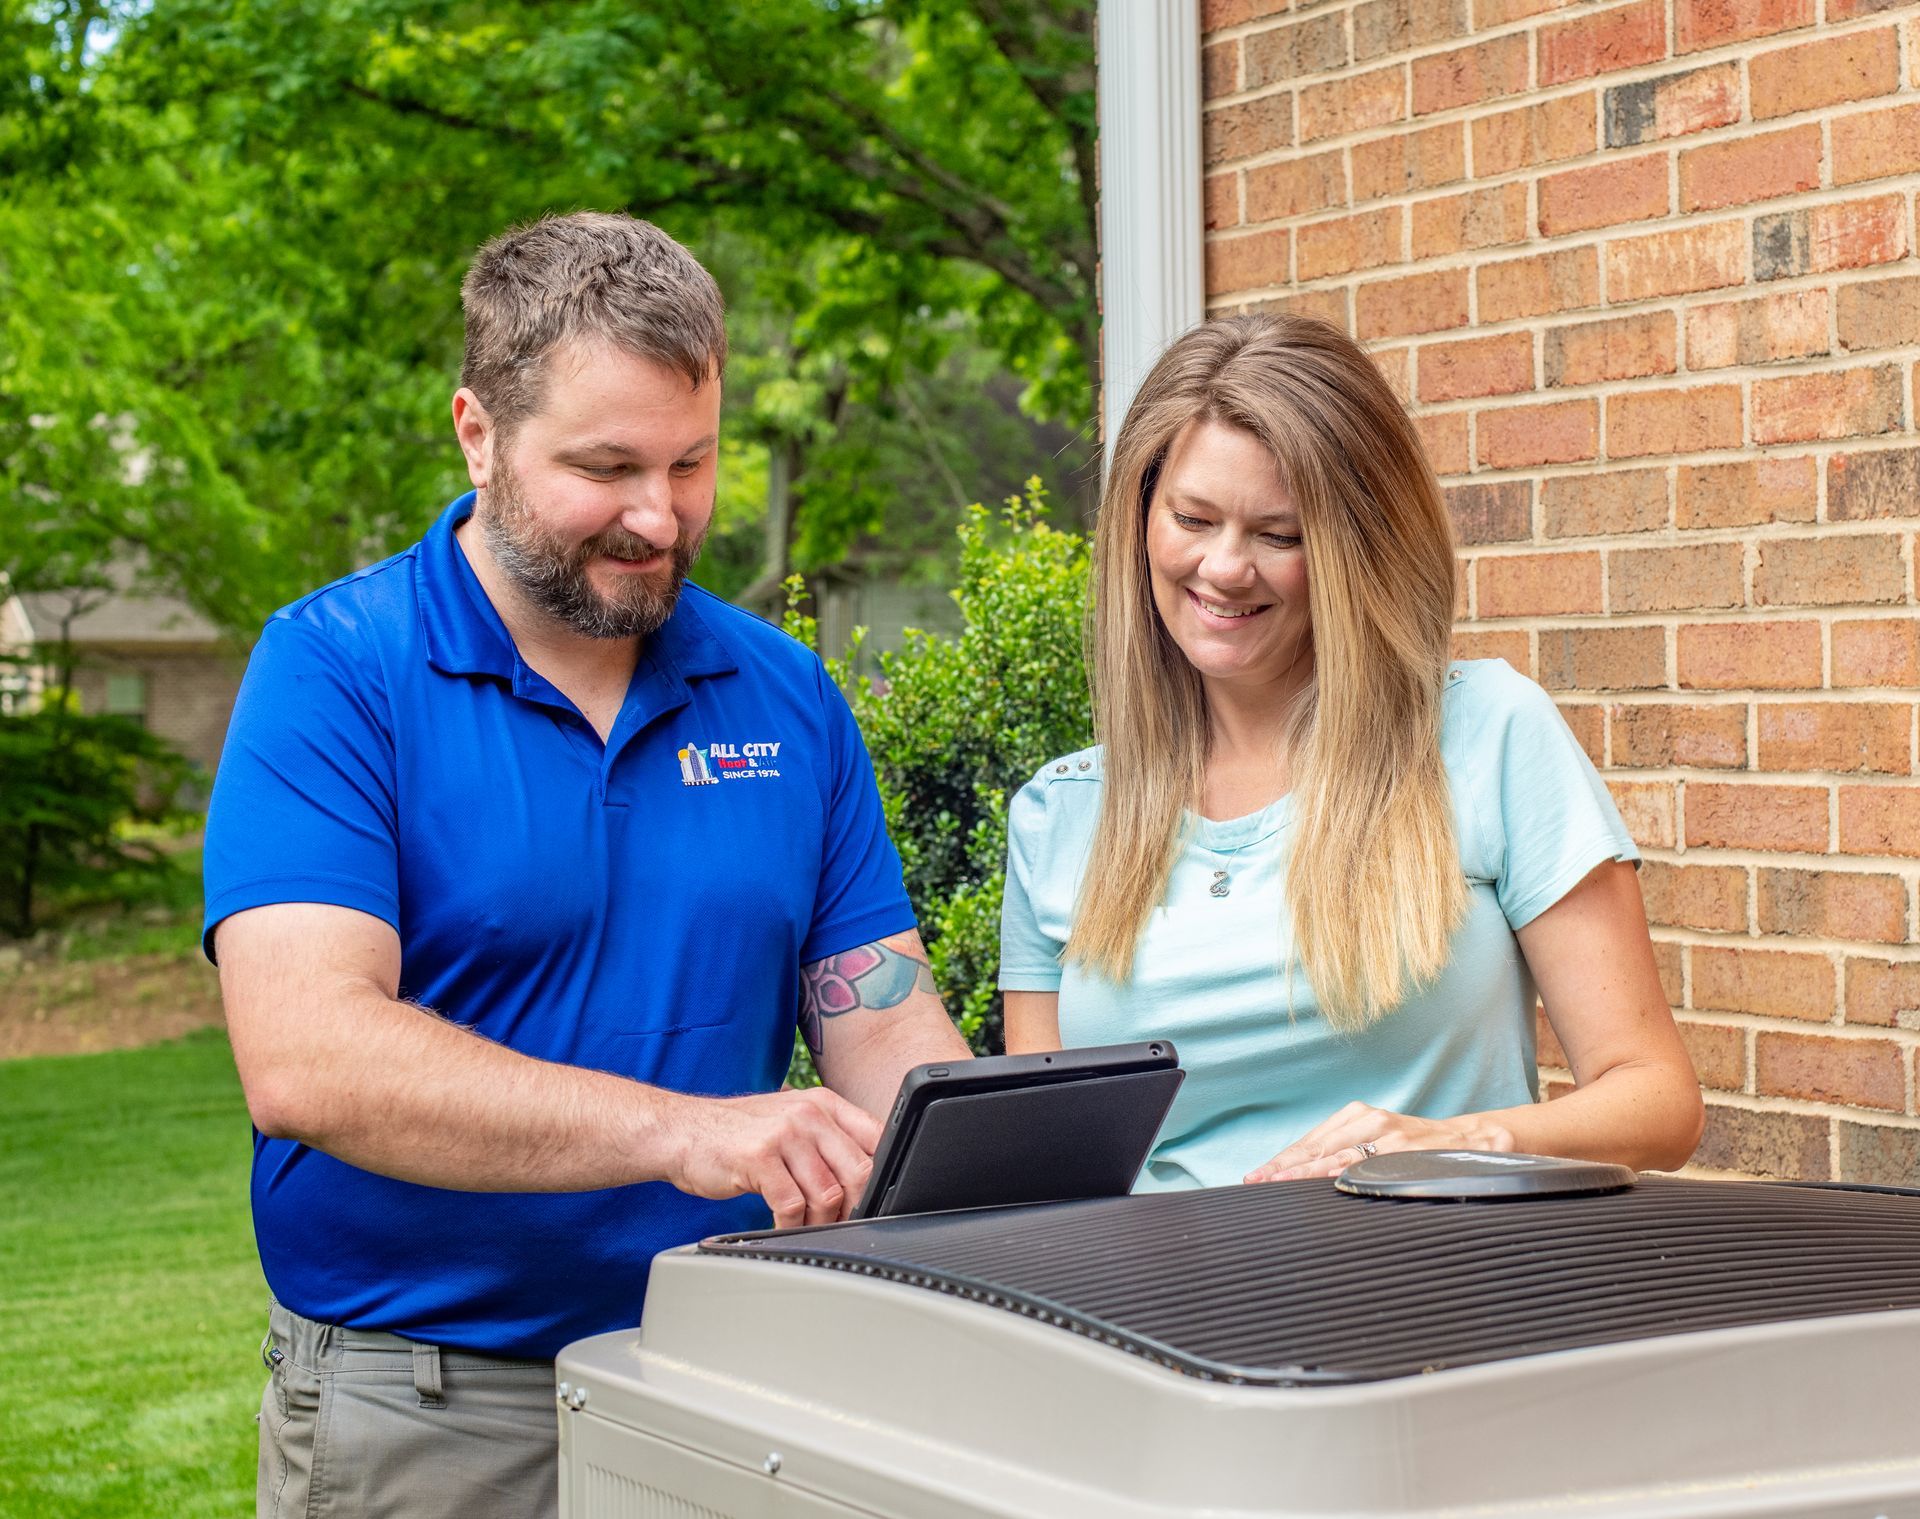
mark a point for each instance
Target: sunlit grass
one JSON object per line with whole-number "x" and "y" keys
{"x": 131, "y": 1303}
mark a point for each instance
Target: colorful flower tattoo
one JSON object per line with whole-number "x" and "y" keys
{"x": 871, "y": 976}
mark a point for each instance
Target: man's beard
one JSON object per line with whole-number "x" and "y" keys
{"x": 553, "y": 575}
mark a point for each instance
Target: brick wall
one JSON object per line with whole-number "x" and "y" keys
{"x": 1646, "y": 274}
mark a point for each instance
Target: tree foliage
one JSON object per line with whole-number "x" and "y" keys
{"x": 231, "y": 237}
{"x": 956, "y": 724}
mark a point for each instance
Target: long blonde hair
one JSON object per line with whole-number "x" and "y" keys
{"x": 1374, "y": 887}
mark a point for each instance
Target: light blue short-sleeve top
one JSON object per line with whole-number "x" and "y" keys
{"x": 1531, "y": 817}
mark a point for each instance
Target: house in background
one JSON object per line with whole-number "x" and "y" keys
{"x": 152, "y": 658}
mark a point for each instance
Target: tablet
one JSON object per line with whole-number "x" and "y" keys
{"x": 1008, "y": 1129}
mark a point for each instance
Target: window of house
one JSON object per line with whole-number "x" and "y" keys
{"x": 127, "y": 695}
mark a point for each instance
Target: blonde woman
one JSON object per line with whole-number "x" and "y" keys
{"x": 1332, "y": 866}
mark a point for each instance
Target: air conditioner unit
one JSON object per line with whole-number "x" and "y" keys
{"x": 1683, "y": 1349}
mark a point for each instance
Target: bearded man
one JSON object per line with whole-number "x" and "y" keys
{"x": 521, "y": 861}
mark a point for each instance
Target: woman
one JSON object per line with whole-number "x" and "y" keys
{"x": 1328, "y": 864}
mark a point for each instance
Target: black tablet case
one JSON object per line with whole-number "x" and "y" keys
{"x": 1078, "y": 1139}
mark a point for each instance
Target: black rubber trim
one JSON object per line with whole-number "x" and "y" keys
{"x": 1295, "y": 1284}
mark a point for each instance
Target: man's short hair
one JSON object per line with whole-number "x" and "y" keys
{"x": 589, "y": 275}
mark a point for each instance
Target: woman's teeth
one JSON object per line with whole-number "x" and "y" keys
{"x": 1220, "y": 611}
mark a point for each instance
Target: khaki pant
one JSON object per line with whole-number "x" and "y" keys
{"x": 355, "y": 1424}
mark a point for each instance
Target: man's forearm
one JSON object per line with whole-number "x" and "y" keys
{"x": 391, "y": 1088}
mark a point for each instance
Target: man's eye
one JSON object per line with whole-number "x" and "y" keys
{"x": 601, "y": 471}
{"x": 686, "y": 466}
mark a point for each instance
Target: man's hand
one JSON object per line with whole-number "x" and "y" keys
{"x": 807, "y": 1153}
{"x": 1357, "y": 1131}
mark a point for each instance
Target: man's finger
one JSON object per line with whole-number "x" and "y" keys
{"x": 826, "y": 1198}
{"x": 783, "y": 1194}
{"x": 860, "y": 1125}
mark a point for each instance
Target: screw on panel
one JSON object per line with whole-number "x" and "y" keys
{"x": 577, "y": 1399}
{"x": 771, "y": 1466}
{"x": 560, "y": 1392}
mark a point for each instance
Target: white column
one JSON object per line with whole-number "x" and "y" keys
{"x": 1151, "y": 221}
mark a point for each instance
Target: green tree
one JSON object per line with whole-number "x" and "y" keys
{"x": 956, "y": 724}
{"x": 231, "y": 234}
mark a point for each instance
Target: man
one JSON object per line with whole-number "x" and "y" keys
{"x": 522, "y": 859}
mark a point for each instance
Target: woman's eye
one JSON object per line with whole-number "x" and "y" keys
{"x": 1280, "y": 540}
{"x": 1189, "y": 523}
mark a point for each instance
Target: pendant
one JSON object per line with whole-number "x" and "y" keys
{"x": 1222, "y": 883}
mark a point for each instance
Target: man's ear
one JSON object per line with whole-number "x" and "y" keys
{"x": 474, "y": 429}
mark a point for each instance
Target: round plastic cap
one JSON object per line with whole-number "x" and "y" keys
{"x": 1479, "y": 1176}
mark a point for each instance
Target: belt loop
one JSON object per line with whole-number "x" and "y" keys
{"x": 426, "y": 1376}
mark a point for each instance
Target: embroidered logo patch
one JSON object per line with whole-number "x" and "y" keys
{"x": 719, "y": 762}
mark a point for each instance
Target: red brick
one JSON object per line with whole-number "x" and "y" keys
{"x": 1217, "y": 15}
{"x": 1879, "y": 1154}
{"x": 1836, "y": 736}
{"x": 1750, "y": 168}
{"x": 1537, "y": 134}
{"x": 1241, "y": 131}
{"x": 1699, "y": 576}
{"x": 1491, "y": 512}
{"x": 1605, "y": 195}
{"x": 1495, "y": 366}
{"x": 1545, "y": 282}
{"x": 1667, "y": 960}
{"x": 1763, "y": 331}
{"x": 1815, "y": 74}
{"x": 1718, "y": 1053}
{"x": 1784, "y": 1146}
{"x": 1508, "y": 644}
{"x": 1764, "y": 982}
{"x": 1847, "y": 403}
{"x": 1476, "y": 219}
{"x": 1393, "y": 26}
{"x": 1701, "y": 24}
{"x": 1885, "y": 993}
{"x": 1880, "y": 314}
{"x": 1769, "y": 489}
{"x": 1673, "y": 421}
{"x": 1412, "y": 303}
{"x": 1875, "y": 144}
{"x": 1733, "y": 656}
{"x": 1443, "y": 437}
{"x": 1884, "y": 652}
{"x": 1848, "y": 10}
{"x": 1870, "y": 486}
{"x": 1296, "y": 186}
{"x": 1880, "y": 820}
{"x": 1622, "y": 38}
{"x": 1519, "y": 437}
{"x": 1603, "y": 659}
{"x": 1856, "y": 233}
{"x": 1353, "y": 103}
{"x": 1246, "y": 263}
{"x": 1676, "y": 263}
{"x": 1676, "y": 105}
{"x": 1220, "y": 69}
{"x": 1708, "y": 897}
{"x": 1326, "y": 305}
{"x": 1488, "y": 14}
{"x": 1614, "y": 501}
{"x": 1847, "y": 569}
{"x": 1346, "y": 243}
{"x": 1404, "y": 160}
{"x": 1867, "y": 1073}
{"x": 1303, "y": 47}
{"x": 1832, "y": 904}
{"x": 1654, "y": 735}
{"x": 1621, "y": 348}
{"x": 1222, "y": 201}
{"x": 1536, "y": 585}
{"x": 1587, "y": 722}
{"x": 1468, "y": 75}
{"x": 1646, "y": 807}
{"x": 1790, "y": 818}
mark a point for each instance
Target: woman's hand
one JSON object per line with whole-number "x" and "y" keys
{"x": 1357, "y": 1131}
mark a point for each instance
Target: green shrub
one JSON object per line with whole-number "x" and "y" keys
{"x": 956, "y": 724}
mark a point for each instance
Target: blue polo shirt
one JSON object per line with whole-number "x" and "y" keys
{"x": 641, "y": 907}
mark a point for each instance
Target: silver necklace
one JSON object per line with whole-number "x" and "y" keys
{"x": 1222, "y": 883}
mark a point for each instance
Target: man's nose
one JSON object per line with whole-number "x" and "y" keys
{"x": 647, "y": 508}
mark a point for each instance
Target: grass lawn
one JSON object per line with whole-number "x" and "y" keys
{"x": 131, "y": 1304}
